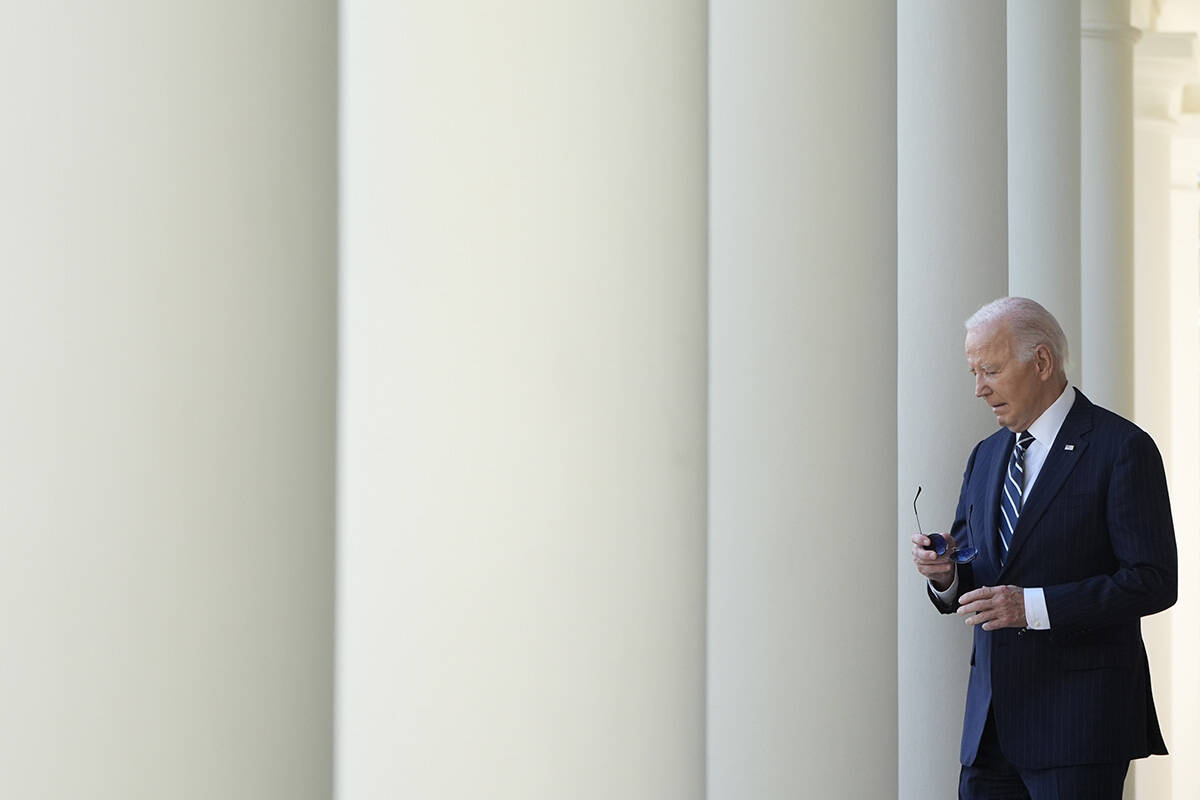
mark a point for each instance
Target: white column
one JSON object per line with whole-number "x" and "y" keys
{"x": 952, "y": 259}
{"x": 1163, "y": 63}
{"x": 1106, "y": 207}
{"x": 168, "y": 339}
{"x": 1043, "y": 159}
{"x": 1184, "y": 465}
{"x": 1152, "y": 392}
{"x": 801, "y": 638}
{"x": 522, "y": 451}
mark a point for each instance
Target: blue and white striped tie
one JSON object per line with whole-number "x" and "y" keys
{"x": 1010, "y": 498}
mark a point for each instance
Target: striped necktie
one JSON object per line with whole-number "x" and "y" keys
{"x": 1010, "y": 498}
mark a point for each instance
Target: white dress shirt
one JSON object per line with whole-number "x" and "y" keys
{"x": 1044, "y": 429}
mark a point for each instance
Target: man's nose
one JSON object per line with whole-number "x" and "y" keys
{"x": 980, "y": 386}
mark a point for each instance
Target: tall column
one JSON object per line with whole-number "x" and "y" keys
{"x": 801, "y": 644}
{"x": 952, "y": 258}
{"x": 1163, "y": 63}
{"x": 1043, "y": 160}
{"x": 1106, "y": 206}
{"x": 1184, "y": 465}
{"x": 1152, "y": 393}
{"x": 167, "y": 326}
{"x": 523, "y": 406}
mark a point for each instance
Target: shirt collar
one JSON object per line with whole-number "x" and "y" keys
{"x": 1046, "y": 427}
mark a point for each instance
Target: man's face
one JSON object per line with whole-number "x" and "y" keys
{"x": 1015, "y": 390}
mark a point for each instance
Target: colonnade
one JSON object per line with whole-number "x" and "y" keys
{"x": 990, "y": 197}
{"x": 648, "y": 325}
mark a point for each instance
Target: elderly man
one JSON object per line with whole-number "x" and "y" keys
{"x": 1067, "y": 508}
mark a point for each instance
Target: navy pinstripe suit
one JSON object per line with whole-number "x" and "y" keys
{"x": 1095, "y": 533}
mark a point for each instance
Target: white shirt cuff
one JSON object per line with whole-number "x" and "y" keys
{"x": 947, "y": 596}
{"x": 1037, "y": 618}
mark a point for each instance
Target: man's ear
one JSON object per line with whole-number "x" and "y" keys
{"x": 1043, "y": 359}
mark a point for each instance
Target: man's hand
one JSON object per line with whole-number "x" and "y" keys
{"x": 938, "y": 569}
{"x": 994, "y": 607}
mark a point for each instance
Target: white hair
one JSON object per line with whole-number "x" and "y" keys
{"x": 1031, "y": 325}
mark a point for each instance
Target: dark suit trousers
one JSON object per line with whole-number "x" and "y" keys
{"x": 992, "y": 777}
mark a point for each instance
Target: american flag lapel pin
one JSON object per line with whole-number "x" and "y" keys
{"x": 1069, "y": 447}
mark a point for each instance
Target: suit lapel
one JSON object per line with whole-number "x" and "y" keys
{"x": 1057, "y": 467}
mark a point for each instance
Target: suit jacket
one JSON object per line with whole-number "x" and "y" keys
{"x": 1095, "y": 534}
